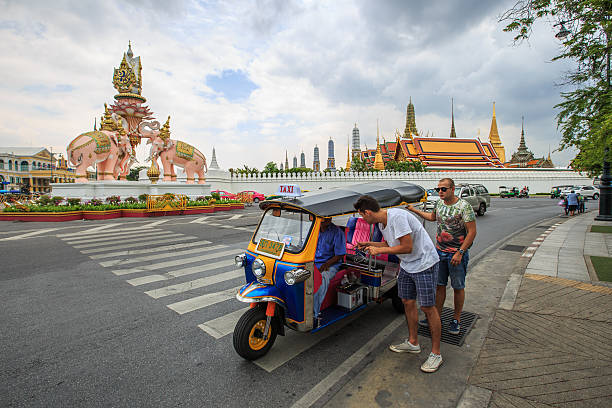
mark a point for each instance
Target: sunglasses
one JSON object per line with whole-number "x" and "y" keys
{"x": 443, "y": 189}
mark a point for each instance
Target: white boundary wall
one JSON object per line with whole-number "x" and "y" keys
{"x": 538, "y": 180}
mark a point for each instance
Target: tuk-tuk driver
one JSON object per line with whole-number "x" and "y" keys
{"x": 331, "y": 247}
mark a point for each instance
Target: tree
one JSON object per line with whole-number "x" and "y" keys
{"x": 246, "y": 170}
{"x": 586, "y": 32}
{"x": 270, "y": 167}
{"x": 360, "y": 165}
{"x": 133, "y": 176}
{"x": 406, "y": 166}
{"x": 299, "y": 170}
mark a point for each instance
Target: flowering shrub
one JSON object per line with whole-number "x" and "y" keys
{"x": 114, "y": 200}
{"x": 143, "y": 198}
{"x": 44, "y": 200}
{"x": 131, "y": 200}
{"x": 57, "y": 200}
{"x": 73, "y": 201}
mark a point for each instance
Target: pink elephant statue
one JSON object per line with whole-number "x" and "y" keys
{"x": 173, "y": 152}
{"x": 111, "y": 150}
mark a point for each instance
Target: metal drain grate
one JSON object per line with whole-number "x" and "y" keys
{"x": 514, "y": 248}
{"x": 467, "y": 322}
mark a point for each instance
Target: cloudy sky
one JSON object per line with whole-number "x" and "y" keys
{"x": 253, "y": 78}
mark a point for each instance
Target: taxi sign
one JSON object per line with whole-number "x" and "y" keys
{"x": 273, "y": 249}
{"x": 289, "y": 190}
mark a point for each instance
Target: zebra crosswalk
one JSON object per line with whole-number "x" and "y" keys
{"x": 187, "y": 274}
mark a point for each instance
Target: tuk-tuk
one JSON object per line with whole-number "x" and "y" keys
{"x": 281, "y": 277}
{"x": 504, "y": 192}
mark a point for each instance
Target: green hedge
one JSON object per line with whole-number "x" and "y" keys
{"x": 101, "y": 207}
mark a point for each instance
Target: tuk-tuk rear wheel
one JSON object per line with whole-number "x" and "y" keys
{"x": 248, "y": 334}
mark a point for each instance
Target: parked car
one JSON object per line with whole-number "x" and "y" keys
{"x": 591, "y": 192}
{"x": 568, "y": 189}
{"x": 257, "y": 197}
{"x": 432, "y": 199}
{"x": 225, "y": 194}
{"x": 475, "y": 194}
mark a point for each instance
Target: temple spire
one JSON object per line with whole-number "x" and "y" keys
{"x": 522, "y": 145}
{"x": 495, "y": 140}
{"x": 378, "y": 160}
{"x": 286, "y": 161}
{"x": 348, "y": 153}
{"x": 213, "y": 162}
{"x": 411, "y": 129}
{"x": 452, "y": 132}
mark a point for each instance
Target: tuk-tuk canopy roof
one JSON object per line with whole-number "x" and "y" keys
{"x": 340, "y": 201}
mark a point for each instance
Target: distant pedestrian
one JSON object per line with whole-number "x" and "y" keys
{"x": 455, "y": 235}
{"x": 581, "y": 203}
{"x": 406, "y": 238}
{"x": 572, "y": 202}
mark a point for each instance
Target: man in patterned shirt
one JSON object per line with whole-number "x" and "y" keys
{"x": 455, "y": 235}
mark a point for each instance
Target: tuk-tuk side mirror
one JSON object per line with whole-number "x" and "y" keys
{"x": 276, "y": 212}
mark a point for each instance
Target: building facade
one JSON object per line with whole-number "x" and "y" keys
{"x": 356, "y": 147}
{"x": 316, "y": 164}
{"x": 331, "y": 160}
{"x": 32, "y": 169}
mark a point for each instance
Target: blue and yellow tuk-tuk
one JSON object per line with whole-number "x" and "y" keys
{"x": 281, "y": 277}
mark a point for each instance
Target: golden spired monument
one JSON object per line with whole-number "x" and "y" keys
{"x": 378, "y": 160}
{"x": 494, "y": 138}
{"x": 436, "y": 152}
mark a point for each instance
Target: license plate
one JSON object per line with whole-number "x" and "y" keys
{"x": 271, "y": 248}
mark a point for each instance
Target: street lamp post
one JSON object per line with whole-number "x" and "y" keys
{"x": 605, "y": 190}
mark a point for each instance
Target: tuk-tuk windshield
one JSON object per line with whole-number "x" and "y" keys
{"x": 289, "y": 226}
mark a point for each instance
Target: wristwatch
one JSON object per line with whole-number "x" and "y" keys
{"x": 461, "y": 251}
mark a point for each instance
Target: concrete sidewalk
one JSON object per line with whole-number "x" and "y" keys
{"x": 543, "y": 338}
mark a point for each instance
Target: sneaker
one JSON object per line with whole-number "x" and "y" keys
{"x": 424, "y": 323}
{"x": 405, "y": 347}
{"x": 454, "y": 327}
{"x": 433, "y": 362}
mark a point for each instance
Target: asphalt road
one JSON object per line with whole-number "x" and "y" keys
{"x": 86, "y": 324}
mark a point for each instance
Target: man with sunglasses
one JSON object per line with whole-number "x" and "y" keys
{"x": 455, "y": 235}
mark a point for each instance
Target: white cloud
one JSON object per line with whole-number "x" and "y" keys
{"x": 319, "y": 68}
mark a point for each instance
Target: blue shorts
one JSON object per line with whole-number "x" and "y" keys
{"x": 456, "y": 273}
{"x": 420, "y": 286}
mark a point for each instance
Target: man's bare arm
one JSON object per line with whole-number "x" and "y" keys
{"x": 429, "y": 216}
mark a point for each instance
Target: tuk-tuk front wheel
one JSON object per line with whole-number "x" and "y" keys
{"x": 249, "y": 341}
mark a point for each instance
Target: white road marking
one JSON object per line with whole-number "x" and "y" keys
{"x": 199, "y": 220}
{"x": 195, "y": 284}
{"x": 202, "y": 248}
{"x": 201, "y": 268}
{"x": 168, "y": 264}
{"x": 294, "y": 343}
{"x": 175, "y": 238}
{"x": 112, "y": 236}
{"x": 235, "y": 217}
{"x": 29, "y": 234}
{"x": 117, "y": 238}
{"x": 180, "y": 272}
{"x": 95, "y": 232}
{"x": 200, "y": 302}
{"x": 343, "y": 369}
{"x": 156, "y": 223}
{"x": 146, "y": 279}
{"x": 224, "y": 325}
{"x": 148, "y": 250}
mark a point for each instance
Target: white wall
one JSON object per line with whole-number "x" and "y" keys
{"x": 538, "y": 180}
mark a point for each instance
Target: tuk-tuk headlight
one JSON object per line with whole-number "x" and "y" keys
{"x": 259, "y": 268}
{"x": 296, "y": 276}
{"x": 239, "y": 259}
